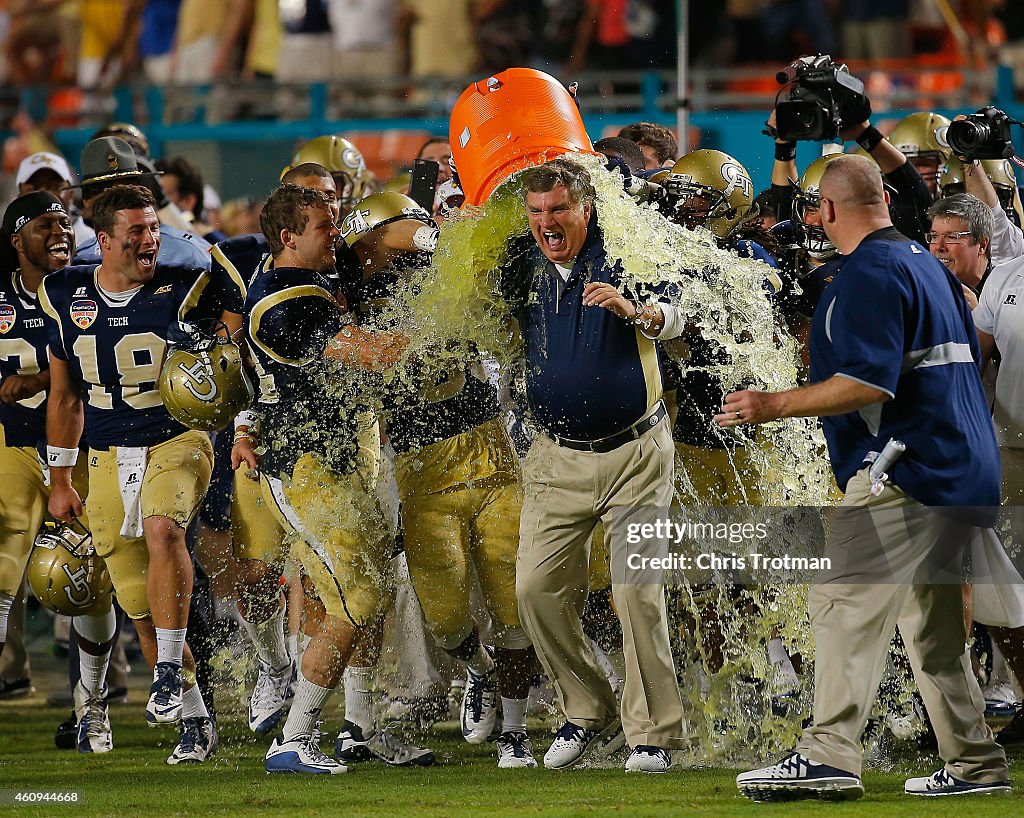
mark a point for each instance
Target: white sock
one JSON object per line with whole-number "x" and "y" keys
{"x": 359, "y": 697}
{"x": 268, "y": 637}
{"x": 305, "y": 710}
{"x": 785, "y": 674}
{"x": 93, "y": 669}
{"x": 293, "y": 648}
{"x": 6, "y": 601}
{"x": 192, "y": 704}
{"x": 482, "y": 663}
{"x": 513, "y": 714}
{"x": 170, "y": 645}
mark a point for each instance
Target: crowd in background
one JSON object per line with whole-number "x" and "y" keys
{"x": 101, "y": 42}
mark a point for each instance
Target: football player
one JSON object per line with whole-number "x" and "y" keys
{"x": 37, "y": 228}
{"x": 347, "y": 166}
{"x": 239, "y": 537}
{"x": 458, "y": 481}
{"x": 108, "y": 327}
{"x": 322, "y": 450}
{"x": 258, "y": 547}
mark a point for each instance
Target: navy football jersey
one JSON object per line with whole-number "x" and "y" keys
{"x": 23, "y": 342}
{"x": 116, "y": 350}
{"x": 235, "y": 262}
{"x": 290, "y": 315}
{"x": 455, "y": 403}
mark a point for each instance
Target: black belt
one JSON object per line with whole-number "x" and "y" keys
{"x": 607, "y": 444}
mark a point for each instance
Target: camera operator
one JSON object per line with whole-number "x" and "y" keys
{"x": 824, "y": 101}
{"x": 1007, "y": 237}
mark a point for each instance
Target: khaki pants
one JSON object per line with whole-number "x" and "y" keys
{"x": 854, "y": 623}
{"x": 566, "y": 493}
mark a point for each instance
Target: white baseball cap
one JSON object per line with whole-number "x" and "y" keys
{"x": 43, "y": 161}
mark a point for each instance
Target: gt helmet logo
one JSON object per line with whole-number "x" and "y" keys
{"x": 736, "y": 178}
{"x": 77, "y": 590}
{"x": 200, "y": 381}
{"x": 355, "y": 223}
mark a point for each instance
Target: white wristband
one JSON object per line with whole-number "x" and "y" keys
{"x": 425, "y": 239}
{"x": 57, "y": 457}
{"x": 246, "y": 418}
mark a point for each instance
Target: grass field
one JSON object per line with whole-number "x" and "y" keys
{"x": 133, "y": 780}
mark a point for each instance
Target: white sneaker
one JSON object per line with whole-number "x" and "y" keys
{"x": 381, "y": 745}
{"x": 795, "y": 777}
{"x": 270, "y": 696}
{"x": 197, "y": 743}
{"x": 515, "y": 751}
{"x": 94, "y": 734}
{"x": 646, "y": 758}
{"x": 480, "y": 706}
{"x": 942, "y": 783}
{"x": 301, "y": 754}
{"x": 572, "y": 743}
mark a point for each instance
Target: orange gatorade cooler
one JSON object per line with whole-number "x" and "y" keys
{"x": 510, "y": 121}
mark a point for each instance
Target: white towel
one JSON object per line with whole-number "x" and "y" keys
{"x": 999, "y": 591}
{"x": 131, "y": 467}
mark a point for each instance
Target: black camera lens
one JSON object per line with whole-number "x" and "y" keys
{"x": 801, "y": 120}
{"x": 966, "y": 136}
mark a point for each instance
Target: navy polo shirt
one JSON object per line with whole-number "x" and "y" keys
{"x": 894, "y": 318}
{"x": 589, "y": 374}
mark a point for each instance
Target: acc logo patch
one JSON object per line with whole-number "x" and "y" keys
{"x": 83, "y": 313}
{"x": 7, "y": 317}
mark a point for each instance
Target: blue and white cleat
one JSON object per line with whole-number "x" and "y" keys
{"x": 301, "y": 754}
{"x": 197, "y": 743}
{"x": 572, "y": 744}
{"x": 480, "y": 704}
{"x": 164, "y": 706}
{"x": 94, "y": 734}
{"x": 270, "y": 696}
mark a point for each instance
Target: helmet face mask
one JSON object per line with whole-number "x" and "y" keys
{"x": 696, "y": 205}
{"x": 65, "y": 573}
{"x": 812, "y": 238}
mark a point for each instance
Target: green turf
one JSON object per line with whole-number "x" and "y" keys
{"x": 133, "y": 780}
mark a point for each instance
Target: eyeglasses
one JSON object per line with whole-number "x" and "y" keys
{"x": 949, "y": 238}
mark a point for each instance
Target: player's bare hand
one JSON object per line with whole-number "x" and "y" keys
{"x": 19, "y": 387}
{"x": 384, "y": 352}
{"x": 971, "y": 296}
{"x": 243, "y": 451}
{"x": 65, "y": 504}
{"x": 748, "y": 406}
{"x": 598, "y": 294}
